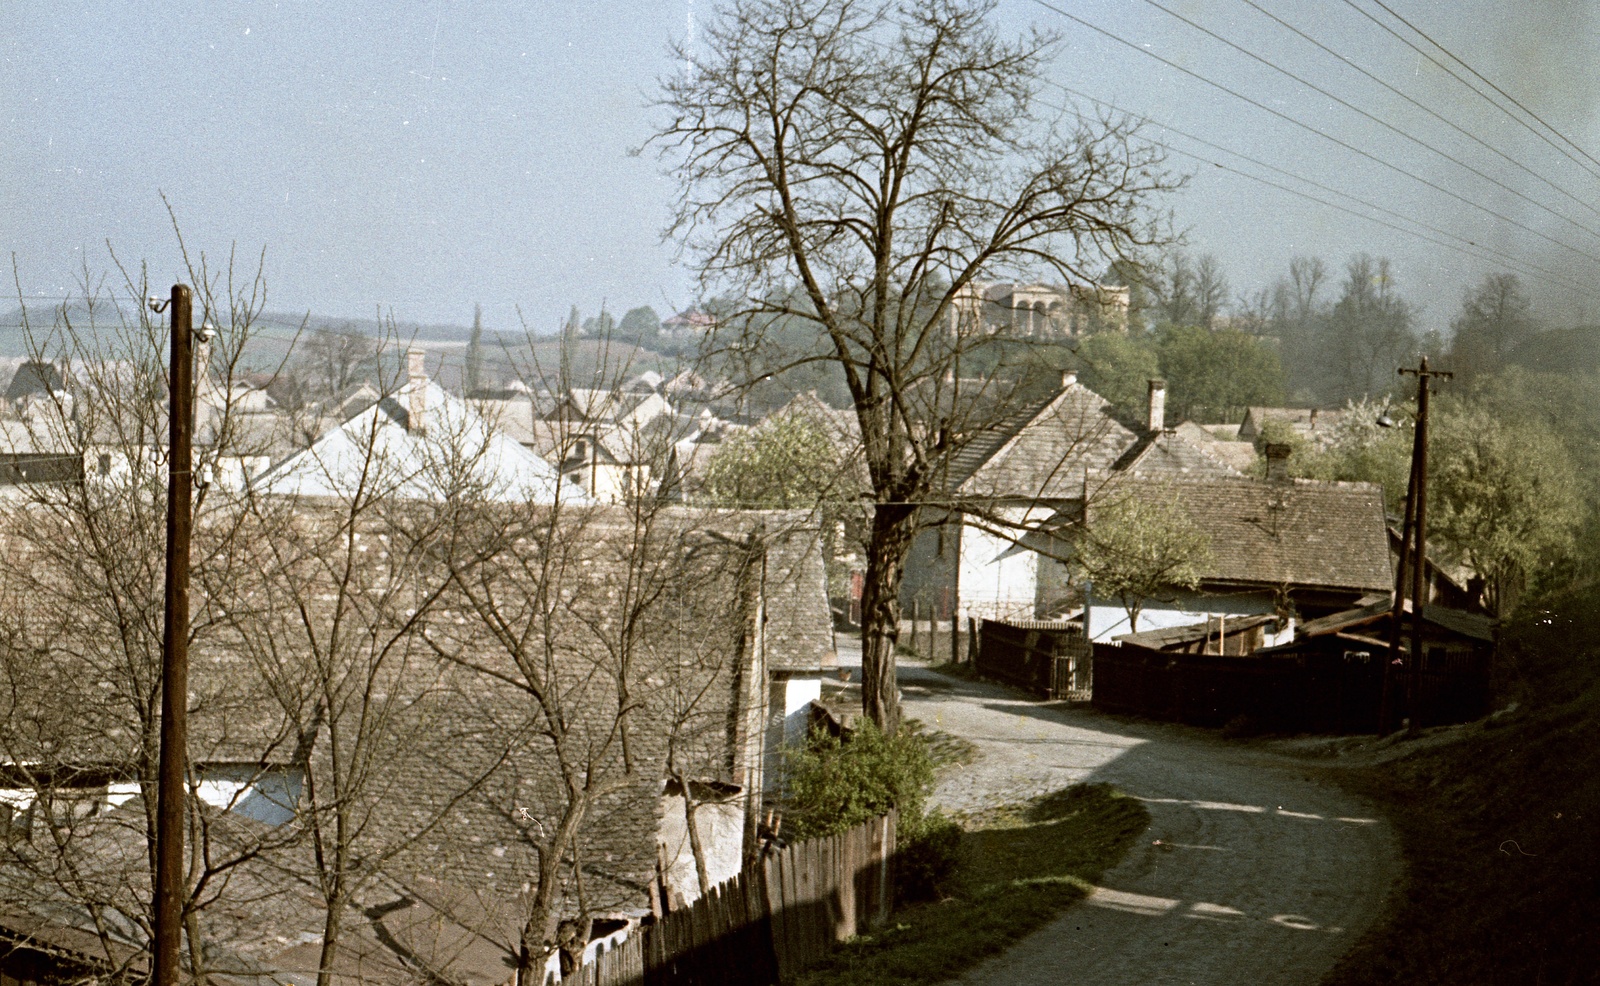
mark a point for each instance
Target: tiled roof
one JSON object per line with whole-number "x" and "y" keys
{"x": 685, "y": 610}
{"x": 1047, "y": 447}
{"x": 380, "y": 452}
{"x": 1302, "y": 532}
{"x": 1042, "y": 449}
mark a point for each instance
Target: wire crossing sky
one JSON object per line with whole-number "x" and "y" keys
{"x": 421, "y": 158}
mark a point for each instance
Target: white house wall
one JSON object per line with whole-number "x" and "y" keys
{"x": 721, "y": 826}
{"x": 999, "y": 579}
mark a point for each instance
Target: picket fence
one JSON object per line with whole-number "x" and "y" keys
{"x": 775, "y": 919}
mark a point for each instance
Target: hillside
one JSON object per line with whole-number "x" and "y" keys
{"x": 1499, "y": 822}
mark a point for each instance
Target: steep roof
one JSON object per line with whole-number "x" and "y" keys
{"x": 1299, "y": 533}
{"x": 1043, "y": 448}
{"x": 380, "y": 451}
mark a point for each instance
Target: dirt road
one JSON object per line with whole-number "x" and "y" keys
{"x": 1251, "y": 872}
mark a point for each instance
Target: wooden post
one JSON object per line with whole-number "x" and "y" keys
{"x": 171, "y": 783}
{"x": 955, "y": 637}
{"x": 916, "y": 621}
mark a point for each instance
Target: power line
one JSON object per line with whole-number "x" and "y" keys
{"x": 1310, "y": 129}
{"x": 1344, "y": 60}
{"x": 1372, "y": 117}
{"x": 1523, "y": 266}
{"x": 1475, "y": 90}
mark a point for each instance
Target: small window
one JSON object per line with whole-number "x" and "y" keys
{"x": 105, "y": 463}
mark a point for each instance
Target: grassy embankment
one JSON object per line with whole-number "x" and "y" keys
{"x": 1500, "y": 827}
{"x": 1019, "y": 866}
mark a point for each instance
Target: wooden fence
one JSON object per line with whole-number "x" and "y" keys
{"x": 1334, "y": 691}
{"x": 1049, "y": 661}
{"x": 772, "y": 921}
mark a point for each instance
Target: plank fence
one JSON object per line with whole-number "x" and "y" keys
{"x": 1049, "y": 660}
{"x": 772, "y": 921}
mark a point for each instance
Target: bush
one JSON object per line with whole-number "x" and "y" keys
{"x": 836, "y": 784}
{"x": 926, "y": 857}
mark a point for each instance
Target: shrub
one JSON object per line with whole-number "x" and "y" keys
{"x": 836, "y": 784}
{"x": 927, "y": 857}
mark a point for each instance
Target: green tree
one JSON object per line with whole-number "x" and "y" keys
{"x": 475, "y": 352}
{"x": 640, "y": 324}
{"x": 789, "y": 462}
{"x": 1138, "y": 545}
{"x": 1368, "y": 333}
{"x": 1496, "y": 316}
{"x": 1217, "y": 374}
{"x": 1119, "y": 367}
{"x": 1505, "y": 497}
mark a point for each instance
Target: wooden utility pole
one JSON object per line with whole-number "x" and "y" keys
{"x": 171, "y": 783}
{"x": 1419, "y": 563}
{"x": 1397, "y": 617}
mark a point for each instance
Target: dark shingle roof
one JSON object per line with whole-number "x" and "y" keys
{"x": 1303, "y": 532}
{"x": 1043, "y": 449}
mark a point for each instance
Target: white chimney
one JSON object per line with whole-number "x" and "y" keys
{"x": 1068, "y": 378}
{"x": 417, "y": 386}
{"x": 1158, "y": 405}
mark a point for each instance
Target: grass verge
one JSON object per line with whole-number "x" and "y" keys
{"x": 1499, "y": 830}
{"x": 1019, "y": 867}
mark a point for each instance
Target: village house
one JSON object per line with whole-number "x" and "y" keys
{"x": 418, "y": 443}
{"x": 1023, "y": 475}
{"x": 1288, "y": 548}
{"x": 725, "y": 649}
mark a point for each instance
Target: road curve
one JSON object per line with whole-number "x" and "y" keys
{"x": 1251, "y": 871}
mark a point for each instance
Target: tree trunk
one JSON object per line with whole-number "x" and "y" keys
{"x": 332, "y": 924}
{"x": 696, "y": 846}
{"x": 892, "y": 529}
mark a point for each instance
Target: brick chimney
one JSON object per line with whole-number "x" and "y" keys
{"x": 1277, "y": 461}
{"x": 417, "y": 388}
{"x": 1158, "y": 405}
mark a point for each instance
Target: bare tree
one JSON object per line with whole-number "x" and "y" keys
{"x": 859, "y": 168}
{"x": 335, "y": 358}
{"x": 82, "y": 623}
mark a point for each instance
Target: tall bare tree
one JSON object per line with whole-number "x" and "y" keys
{"x": 862, "y": 167}
{"x": 81, "y": 623}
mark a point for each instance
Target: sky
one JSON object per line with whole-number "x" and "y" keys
{"x": 423, "y": 158}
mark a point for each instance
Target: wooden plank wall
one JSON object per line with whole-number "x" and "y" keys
{"x": 772, "y": 921}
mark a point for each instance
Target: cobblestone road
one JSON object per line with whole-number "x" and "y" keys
{"x": 1251, "y": 872}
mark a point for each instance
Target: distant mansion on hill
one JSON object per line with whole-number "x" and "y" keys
{"x": 1041, "y": 310}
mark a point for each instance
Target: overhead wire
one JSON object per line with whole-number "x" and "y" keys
{"x": 1345, "y": 60}
{"x": 1474, "y": 89}
{"x": 1318, "y": 132}
{"x": 1487, "y": 252}
{"x": 1372, "y": 117}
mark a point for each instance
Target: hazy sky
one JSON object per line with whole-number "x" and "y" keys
{"x": 424, "y": 157}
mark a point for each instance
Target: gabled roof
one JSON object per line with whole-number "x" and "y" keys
{"x": 1297, "y": 533}
{"x": 1049, "y": 445}
{"x": 454, "y": 452}
{"x": 1042, "y": 449}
